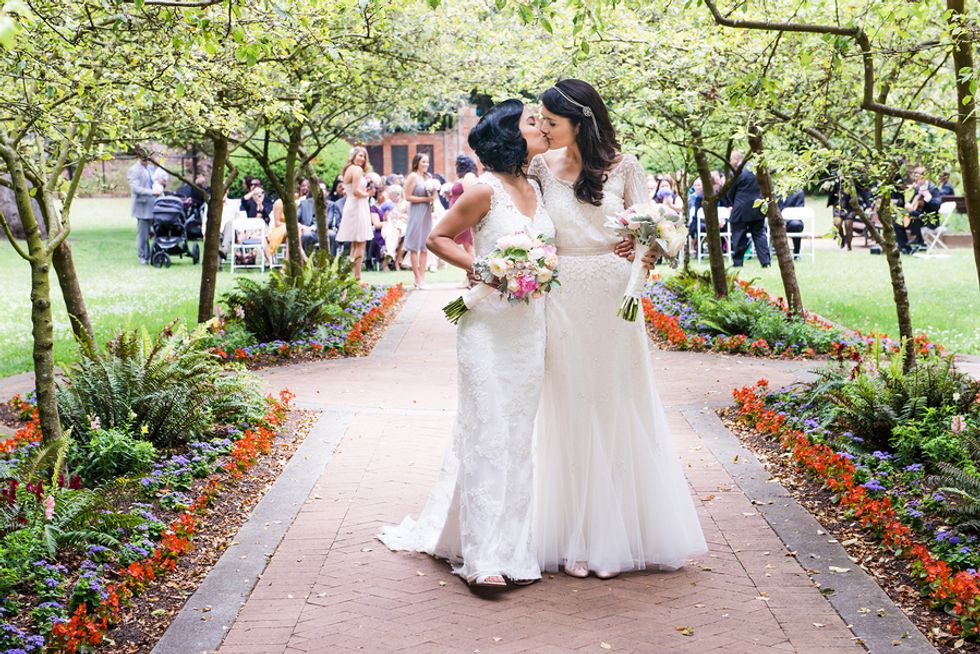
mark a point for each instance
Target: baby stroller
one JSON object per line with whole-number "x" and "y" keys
{"x": 170, "y": 232}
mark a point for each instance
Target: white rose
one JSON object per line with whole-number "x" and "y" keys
{"x": 544, "y": 276}
{"x": 551, "y": 261}
{"x": 536, "y": 254}
{"x": 498, "y": 266}
{"x": 521, "y": 241}
{"x": 512, "y": 285}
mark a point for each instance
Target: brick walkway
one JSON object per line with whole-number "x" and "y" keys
{"x": 330, "y": 587}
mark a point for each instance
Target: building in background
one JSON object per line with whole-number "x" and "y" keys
{"x": 392, "y": 153}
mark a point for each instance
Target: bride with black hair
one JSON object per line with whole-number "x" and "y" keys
{"x": 610, "y": 495}
{"x": 479, "y": 513}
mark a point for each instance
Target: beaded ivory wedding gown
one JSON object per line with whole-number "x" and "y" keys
{"x": 479, "y": 513}
{"x": 609, "y": 489}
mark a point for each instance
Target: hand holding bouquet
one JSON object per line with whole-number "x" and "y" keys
{"x": 432, "y": 186}
{"x": 521, "y": 268}
{"x": 653, "y": 229}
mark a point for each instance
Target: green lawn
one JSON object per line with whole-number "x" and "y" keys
{"x": 119, "y": 292}
{"x": 853, "y": 288}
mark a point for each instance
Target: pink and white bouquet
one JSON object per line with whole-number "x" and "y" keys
{"x": 653, "y": 228}
{"x": 520, "y": 268}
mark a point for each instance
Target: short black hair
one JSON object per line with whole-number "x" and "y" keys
{"x": 497, "y": 139}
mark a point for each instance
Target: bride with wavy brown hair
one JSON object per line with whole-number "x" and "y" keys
{"x": 610, "y": 495}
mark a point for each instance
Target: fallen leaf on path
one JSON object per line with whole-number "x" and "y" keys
{"x": 686, "y": 631}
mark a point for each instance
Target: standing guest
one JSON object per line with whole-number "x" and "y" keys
{"x": 420, "y": 202}
{"x": 794, "y": 226}
{"x": 465, "y": 178}
{"x": 335, "y": 210}
{"x": 746, "y": 218}
{"x": 393, "y": 229}
{"x": 945, "y": 186}
{"x": 922, "y": 208}
{"x": 355, "y": 223}
{"x": 143, "y": 195}
{"x": 375, "y": 251}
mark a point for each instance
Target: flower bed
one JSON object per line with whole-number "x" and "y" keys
{"x": 673, "y": 320}
{"x": 74, "y": 599}
{"x": 346, "y": 337}
{"x": 896, "y": 503}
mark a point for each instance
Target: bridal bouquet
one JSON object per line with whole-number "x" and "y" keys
{"x": 520, "y": 268}
{"x": 432, "y": 186}
{"x": 652, "y": 228}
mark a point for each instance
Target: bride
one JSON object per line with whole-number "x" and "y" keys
{"x": 610, "y": 495}
{"x": 479, "y": 513}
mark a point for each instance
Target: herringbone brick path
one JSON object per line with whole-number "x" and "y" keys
{"x": 330, "y": 587}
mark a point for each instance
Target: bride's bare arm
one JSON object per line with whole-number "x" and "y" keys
{"x": 471, "y": 207}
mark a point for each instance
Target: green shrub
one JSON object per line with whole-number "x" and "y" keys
{"x": 163, "y": 390}
{"x": 109, "y": 454}
{"x": 929, "y": 439}
{"x": 18, "y": 551}
{"x": 285, "y": 308}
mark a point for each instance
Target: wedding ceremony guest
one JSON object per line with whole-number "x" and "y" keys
{"x": 375, "y": 252}
{"x": 355, "y": 223}
{"x": 465, "y": 178}
{"x": 197, "y": 194}
{"x": 667, "y": 196}
{"x": 945, "y": 186}
{"x": 845, "y": 214}
{"x": 695, "y": 198}
{"x": 420, "y": 200}
{"x": 306, "y": 216}
{"x": 746, "y": 218}
{"x": 794, "y": 226}
{"x": 258, "y": 204}
{"x": 335, "y": 210}
{"x": 143, "y": 195}
{"x": 921, "y": 208}
{"x": 393, "y": 229}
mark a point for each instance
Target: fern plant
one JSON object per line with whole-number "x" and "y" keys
{"x": 160, "y": 389}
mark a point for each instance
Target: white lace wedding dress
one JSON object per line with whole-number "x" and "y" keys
{"x": 479, "y": 513}
{"x": 609, "y": 489}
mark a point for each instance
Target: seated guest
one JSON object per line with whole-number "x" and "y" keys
{"x": 335, "y": 211}
{"x": 667, "y": 196}
{"x": 921, "y": 208}
{"x": 197, "y": 194}
{"x": 258, "y": 205}
{"x": 794, "y": 199}
{"x": 845, "y": 213}
{"x": 306, "y": 216}
{"x": 945, "y": 186}
{"x": 395, "y": 224}
{"x": 277, "y": 233}
{"x": 695, "y": 198}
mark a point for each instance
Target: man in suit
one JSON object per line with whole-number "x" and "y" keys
{"x": 143, "y": 194}
{"x": 746, "y": 218}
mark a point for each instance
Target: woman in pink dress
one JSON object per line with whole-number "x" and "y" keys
{"x": 465, "y": 177}
{"x": 355, "y": 222}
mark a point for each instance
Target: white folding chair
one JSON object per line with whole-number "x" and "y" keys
{"x": 249, "y": 235}
{"x": 933, "y": 236}
{"x": 808, "y": 217}
{"x": 724, "y": 213}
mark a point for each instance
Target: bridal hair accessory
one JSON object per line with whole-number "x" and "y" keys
{"x": 585, "y": 109}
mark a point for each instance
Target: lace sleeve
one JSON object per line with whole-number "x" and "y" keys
{"x": 538, "y": 169}
{"x": 634, "y": 182}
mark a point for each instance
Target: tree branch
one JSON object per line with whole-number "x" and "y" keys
{"x": 868, "y": 102}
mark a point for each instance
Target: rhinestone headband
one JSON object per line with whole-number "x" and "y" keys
{"x": 585, "y": 109}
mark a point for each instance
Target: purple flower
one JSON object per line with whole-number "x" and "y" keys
{"x": 846, "y": 455}
{"x": 938, "y": 497}
{"x": 966, "y": 550}
{"x": 914, "y": 513}
{"x": 915, "y": 467}
{"x": 954, "y": 540}
{"x": 882, "y": 456}
{"x": 874, "y": 485}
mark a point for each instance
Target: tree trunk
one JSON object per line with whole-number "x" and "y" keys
{"x": 710, "y": 205}
{"x": 966, "y": 127}
{"x": 780, "y": 239}
{"x": 320, "y": 209}
{"x": 293, "y": 242}
{"x": 210, "y": 259}
{"x": 71, "y": 291}
{"x": 41, "y": 319}
{"x": 889, "y": 245}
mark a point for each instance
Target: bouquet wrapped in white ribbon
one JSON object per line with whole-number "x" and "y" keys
{"x": 653, "y": 228}
{"x": 520, "y": 268}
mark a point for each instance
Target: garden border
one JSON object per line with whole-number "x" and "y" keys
{"x": 229, "y": 583}
{"x": 798, "y": 530}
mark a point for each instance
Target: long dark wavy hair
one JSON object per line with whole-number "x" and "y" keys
{"x": 596, "y": 142}
{"x": 497, "y": 139}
